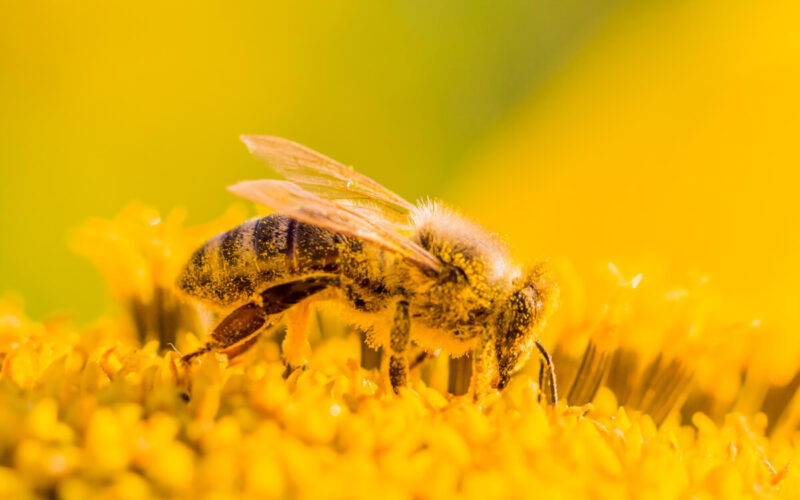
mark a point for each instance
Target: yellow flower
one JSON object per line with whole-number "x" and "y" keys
{"x": 140, "y": 254}
{"x": 661, "y": 398}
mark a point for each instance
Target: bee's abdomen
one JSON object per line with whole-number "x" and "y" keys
{"x": 234, "y": 265}
{"x": 284, "y": 245}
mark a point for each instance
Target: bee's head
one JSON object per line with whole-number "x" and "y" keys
{"x": 522, "y": 316}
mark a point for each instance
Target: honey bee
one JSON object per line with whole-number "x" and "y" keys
{"x": 406, "y": 273}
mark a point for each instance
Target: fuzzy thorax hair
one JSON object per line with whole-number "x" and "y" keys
{"x": 445, "y": 232}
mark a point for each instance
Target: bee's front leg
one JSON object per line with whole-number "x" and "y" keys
{"x": 398, "y": 364}
{"x": 482, "y": 357}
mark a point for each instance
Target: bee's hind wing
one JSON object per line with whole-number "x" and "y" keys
{"x": 328, "y": 178}
{"x": 292, "y": 200}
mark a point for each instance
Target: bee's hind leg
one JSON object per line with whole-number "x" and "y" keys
{"x": 236, "y": 333}
{"x": 398, "y": 364}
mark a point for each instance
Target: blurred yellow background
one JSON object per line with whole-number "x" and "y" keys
{"x": 671, "y": 145}
{"x": 635, "y": 131}
{"x": 108, "y": 102}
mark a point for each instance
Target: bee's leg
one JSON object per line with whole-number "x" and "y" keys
{"x": 547, "y": 362}
{"x": 481, "y": 364}
{"x": 207, "y": 347}
{"x": 295, "y": 346}
{"x": 398, "y": 364}
{"x": 235, "y": 333}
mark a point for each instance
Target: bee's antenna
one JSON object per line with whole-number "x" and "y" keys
{"x": 551, "y": 373}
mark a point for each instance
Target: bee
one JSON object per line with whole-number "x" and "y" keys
{"x": 407, "y": 274}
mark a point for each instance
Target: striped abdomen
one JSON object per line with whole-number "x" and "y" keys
{"x": 258, "y": 254}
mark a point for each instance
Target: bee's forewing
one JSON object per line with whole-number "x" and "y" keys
{"x": 326, "y": 177}
{"x": 292, "y": 200}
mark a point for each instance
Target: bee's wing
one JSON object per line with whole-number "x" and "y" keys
{"x": 328, "y": 178}
{"x": 292, "y": 200}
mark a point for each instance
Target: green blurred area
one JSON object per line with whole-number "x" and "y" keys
{"x": 104, "y": 103}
